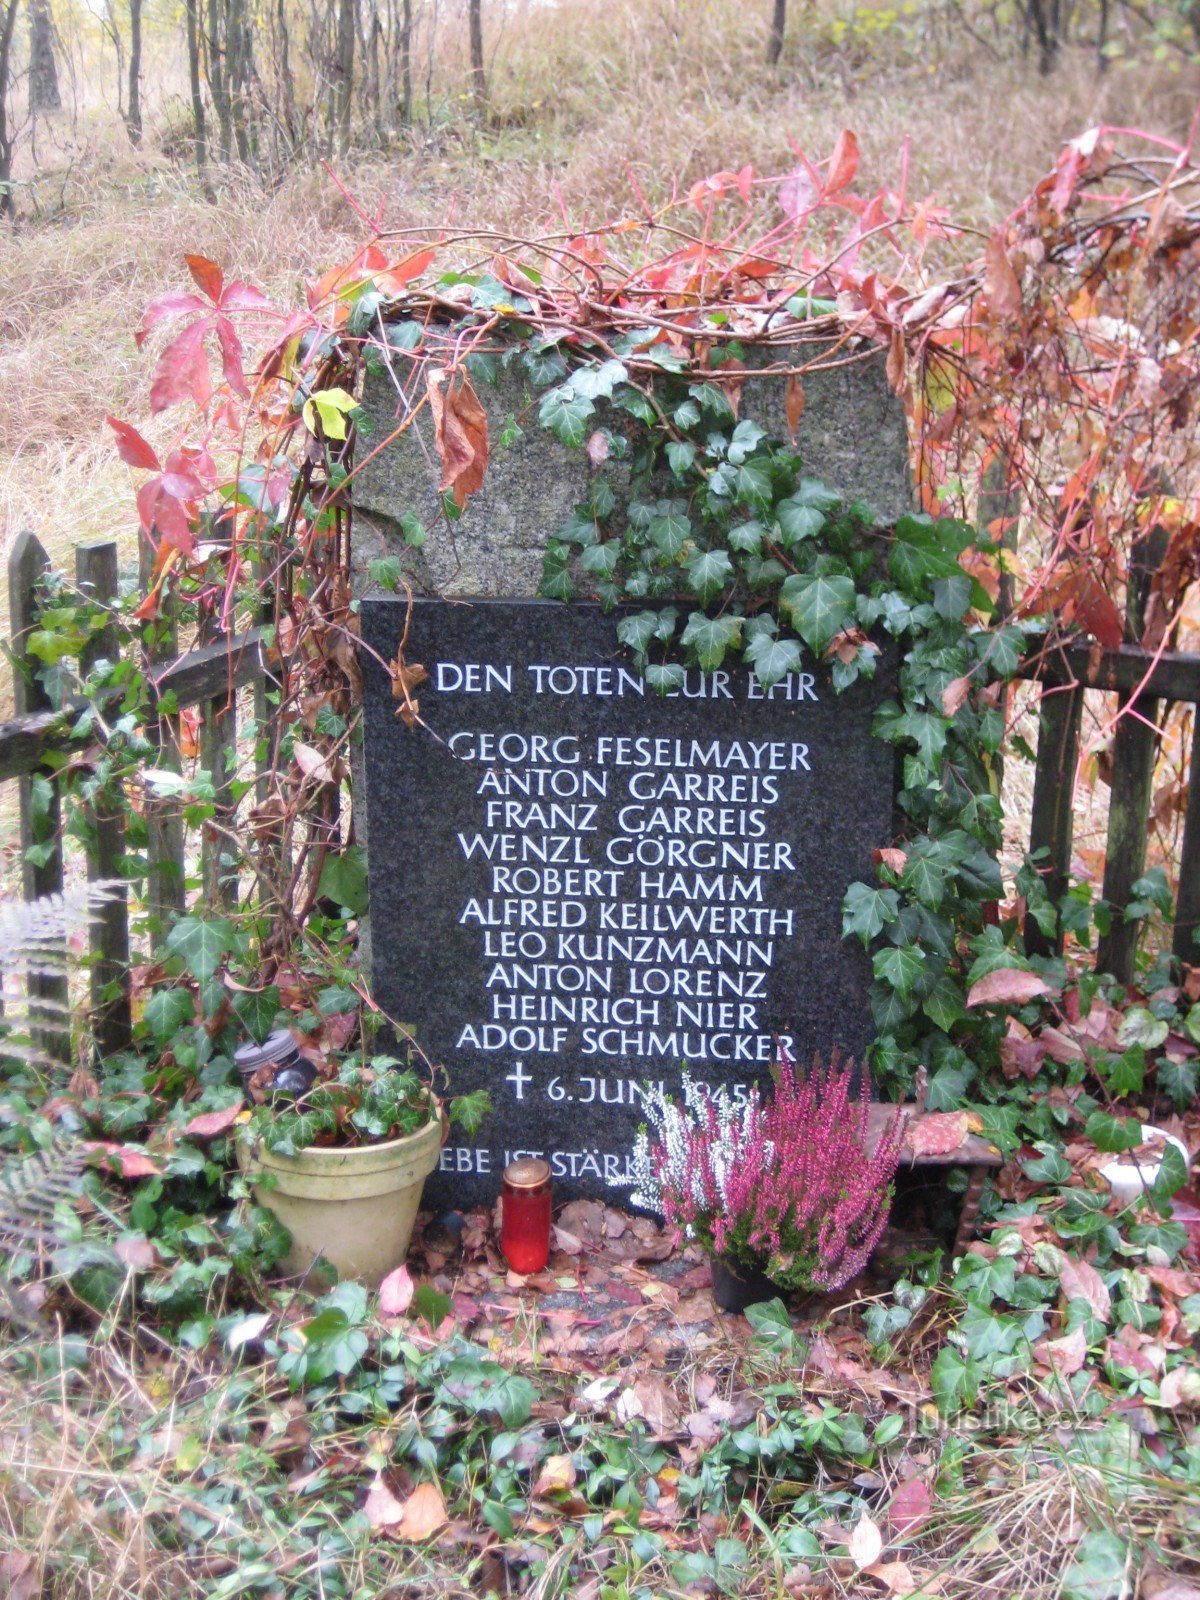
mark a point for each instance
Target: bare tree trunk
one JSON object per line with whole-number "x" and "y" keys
{"x": 406, "y": 100}
{"x": 775, "y": 38}
{"x": 240, "y": 72}
{"x": 8, "y": 26}
{"x": 43, "y": 73}
{"x": 113, "y": 29}
{"x": 199, "y": 123}
{"x": 1043, "y": 14}
{"x": 344, "y": 75}
{"x": 218, "y": 76}
{"x": 478, "y": 75}
{"x": 291, "y": 120}
{"x": 1102, "y": 38}
{"x": 133, "y": 117}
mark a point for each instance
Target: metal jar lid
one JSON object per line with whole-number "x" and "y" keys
{"x": 528, "y": 1173}
{"x": 278, "y": 1049}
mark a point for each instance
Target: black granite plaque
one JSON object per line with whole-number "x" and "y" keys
{"x": 578, "y": 886}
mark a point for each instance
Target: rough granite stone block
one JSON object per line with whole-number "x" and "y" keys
{"x": 852, "y": 435}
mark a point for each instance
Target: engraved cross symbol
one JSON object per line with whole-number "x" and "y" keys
{"x": 518, "y": 1077}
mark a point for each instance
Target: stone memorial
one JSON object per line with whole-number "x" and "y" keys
{"x": 576, "y": 886}
{"x": 579, "y": 886}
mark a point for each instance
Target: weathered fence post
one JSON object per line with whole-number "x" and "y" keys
{"x": 41, "y": 824}
{"x": 96, "y": 576}
{"x": 218, "y": 755}
{"x": 164, "y": 821}
{"x": 1135, "y": 745}
{"x": 1187, "y": 907}
{"x": 1053, "y": 821}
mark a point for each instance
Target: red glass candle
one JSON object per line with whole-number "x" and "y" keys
{"x": 525, "y": 1215}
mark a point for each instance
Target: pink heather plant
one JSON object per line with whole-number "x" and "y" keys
{"x": 785, "y": 1182}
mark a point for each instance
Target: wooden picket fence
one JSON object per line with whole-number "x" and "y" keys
{"x": 209, "y": 674}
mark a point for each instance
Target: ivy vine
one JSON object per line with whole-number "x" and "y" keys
{"x": 719, "y": 543}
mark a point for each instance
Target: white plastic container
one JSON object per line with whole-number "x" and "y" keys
{"x": 1127, "y": 1181}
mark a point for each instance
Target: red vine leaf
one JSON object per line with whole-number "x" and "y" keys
{"x": 131, "y": 447}
{"x": 461, "y": 431}
{"x": 843, "y": 163}
{"x": 177, "y": 303}
{"x": 182, "y": 370}
{"x": 207, "y": 276}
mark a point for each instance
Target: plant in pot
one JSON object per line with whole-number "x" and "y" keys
{"x": 342, "y": 1166}
{"x": 785, "y": 1190}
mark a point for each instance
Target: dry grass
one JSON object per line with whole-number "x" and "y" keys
{"x": 584, "y": 97}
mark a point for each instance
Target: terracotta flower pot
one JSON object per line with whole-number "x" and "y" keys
{"x": 355, "y": 1207}
{"x": 736, "y": 1286}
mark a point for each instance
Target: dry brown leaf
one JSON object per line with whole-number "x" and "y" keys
{"x": 460, "y": 431}
{"x": 138, "y": 1252}
{"x": 896, "y": 1576}
{"x": 1159, "y": 1584}
{"x": 1180, "y": 1389}
{"x": 597, "y": 447}
{"x": 866, "y": 1543}
{"x": 1067, "y": 1354}
{"x": 954, "y": 694}
{"x": 558, "y": 1473}
{"x": 396, "y": 1292}
{"x": 1007, "y": 986}
{"x": 1000, "y": 282}
{"x": 312, "y": 763}
{"x": 424, "y": 1513}
{"x": 211, "y": 1123}
{"x": 794, "y": 401}
{"x": 1080, "y": 1281}
{"x": 910, "y": 1505}
{"x": 382, "y": 1509}
{"x": 936, "y": 1133}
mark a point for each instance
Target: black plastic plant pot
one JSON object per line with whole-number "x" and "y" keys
{"x": 736, "y": 1286}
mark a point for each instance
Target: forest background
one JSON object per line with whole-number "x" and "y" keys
{"x": 132, "y": 131}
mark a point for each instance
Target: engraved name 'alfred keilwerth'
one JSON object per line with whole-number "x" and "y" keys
{"x": 578, "y": 886}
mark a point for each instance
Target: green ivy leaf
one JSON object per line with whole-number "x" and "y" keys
{"x": 386, "y": 572}
{"x": 201, "y": 944}
{"x": 901, "y": 967}
{"x": 1179, "y": 1079}
{"x": 486, "y": 1386}
{"x": 866, "y": 911}
{"x": 256, "y": 1010}
{"x": 597, "y": 383}
{"x": 681, "y": 453}
{"x": 566, "y": 414}
{"x": 772, "y": 659}
{"x": 798, "y": 521}
{"x": 344, "y": 879}
{"x": 708, "y": 573}
{"x": 943, "y": 1005}
{"x": 710, "y": 638}
{"x": 746, "y": 537}
{"x": 601, "y": 559}
{"x": 820, "y": 606}
{"x": 168, "y": 1010}
{"x": 754, "y": 484}
{"x": 954, "y": 1379}
{"x": 665, "y": 679}
{"x": 670, "y": 533}
{"x": 1113, "y": 1134}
